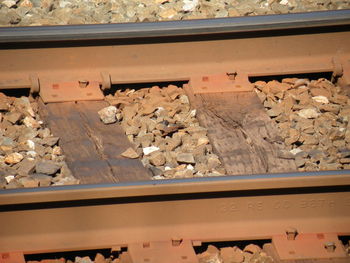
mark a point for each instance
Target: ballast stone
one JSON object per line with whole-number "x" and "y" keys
{"x": 161, "y": 125}
{"x": 130, "y": 153}
{"x": 43, "y": 179}
{"x": 108, "y": 114}
{"x": 13, "y": 158}
{"x": 310, "y": 113}
{"x": 185, "y": 158}
{"x": 47, "y": 167}
{"x": 314, "y": 121}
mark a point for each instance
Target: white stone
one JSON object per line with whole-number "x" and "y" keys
{"x": 149, "y": 150}
{"x": 31, "y": 154}
{"x": 129, "y": 92}
{"x": 310, "y": 113}
{"x": 31, "y": 122}
{"x": 31, "y": 112}
{"x": 9, "y": 178}
{"x": 321, "y": 99}
{"x": 158, "y": 177}
{"x": 167, "y": 168}
{"x": 57, "y": 150}
{"x": 83, "y": 260}
{"x": 284, "y": 2}
{"x": 199, "y": 174}
{"x": 108, "y": 114}
{"x": 119, "y": 116}
{"x": 190, "y": 167}
{"x": 189, "y": 5}
{"x": 9, "y": 3}
{"x": 184, "y": 99}
{"x": 159, "y": 111}
{"x": 295, "y": 151}
{"x": 193, "y": 113}
{"x": 64, "y": 4}
{"x": 214, "y": 173}
{"x": 30, "y": 144}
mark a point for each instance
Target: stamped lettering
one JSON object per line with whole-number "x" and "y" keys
{"x": 230, "y": 207}
{"x": 316, "y": 203}
{"x": 282, "y": 204}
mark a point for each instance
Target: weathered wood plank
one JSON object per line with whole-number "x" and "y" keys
{"x": 241, "y": 132}
{"x": 92, "y": 148}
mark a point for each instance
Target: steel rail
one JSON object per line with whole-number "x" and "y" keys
{"x": 205, "y": 209}
{"x": 21, "y": 196}
{"x": 174, "y": 28}
{"x": 176, "y": 59}
{"x": 209, "y": 209}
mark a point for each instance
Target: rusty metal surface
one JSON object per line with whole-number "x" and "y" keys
{"x": 71, "y": 91}
{"x": 220, "y": 209}
{"x": 173, "y": 60}
{"x": 316, "y": 246}
{"x": 272, "y": 251}
{"x": 163, "y": 252}
{"x": 220, "y": 83}
{"x": 14, "y": 257}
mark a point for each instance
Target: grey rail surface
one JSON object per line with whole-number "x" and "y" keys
{"x": 174, "y": 28}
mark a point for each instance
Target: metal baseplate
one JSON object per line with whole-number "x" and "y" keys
{"x": 172, "y": 251}
{"x": 78, "y": 90}
{"x": 307, "y": 248}
{"x": 71, "y": 91}
{"x": 13, "y": 257}
{"x": 225, "y": 82}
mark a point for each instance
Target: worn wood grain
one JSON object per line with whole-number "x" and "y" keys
{"x": 241, "y": 132}
{"x": 92, "y": 148}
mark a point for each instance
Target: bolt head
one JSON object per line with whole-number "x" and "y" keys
{"x": 83, "y": 83}
{"x": 291, "y": 233}
{"x": 176, "y": 241}
{"x": 330, "y": 246}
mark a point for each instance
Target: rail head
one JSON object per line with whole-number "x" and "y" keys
{"x": 249, "y": 185}
{"x": 174, "y": 28}
{"x": 209, "y": 209}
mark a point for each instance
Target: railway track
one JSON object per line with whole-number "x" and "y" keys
{"x": 117, "y": 206}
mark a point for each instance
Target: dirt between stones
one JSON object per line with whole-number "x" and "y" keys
{"x": 313, "y": 118}
{"x": 165, "y": 132}
{"x": 29, "y": 153}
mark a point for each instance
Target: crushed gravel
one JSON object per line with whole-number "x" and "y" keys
{"x": 313, "y": 117}
{"x": 164, "y": 131}
{"x": 249, "y": 254}
{"x": 63, "y": 12}
{"x": 29, "y": 154}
